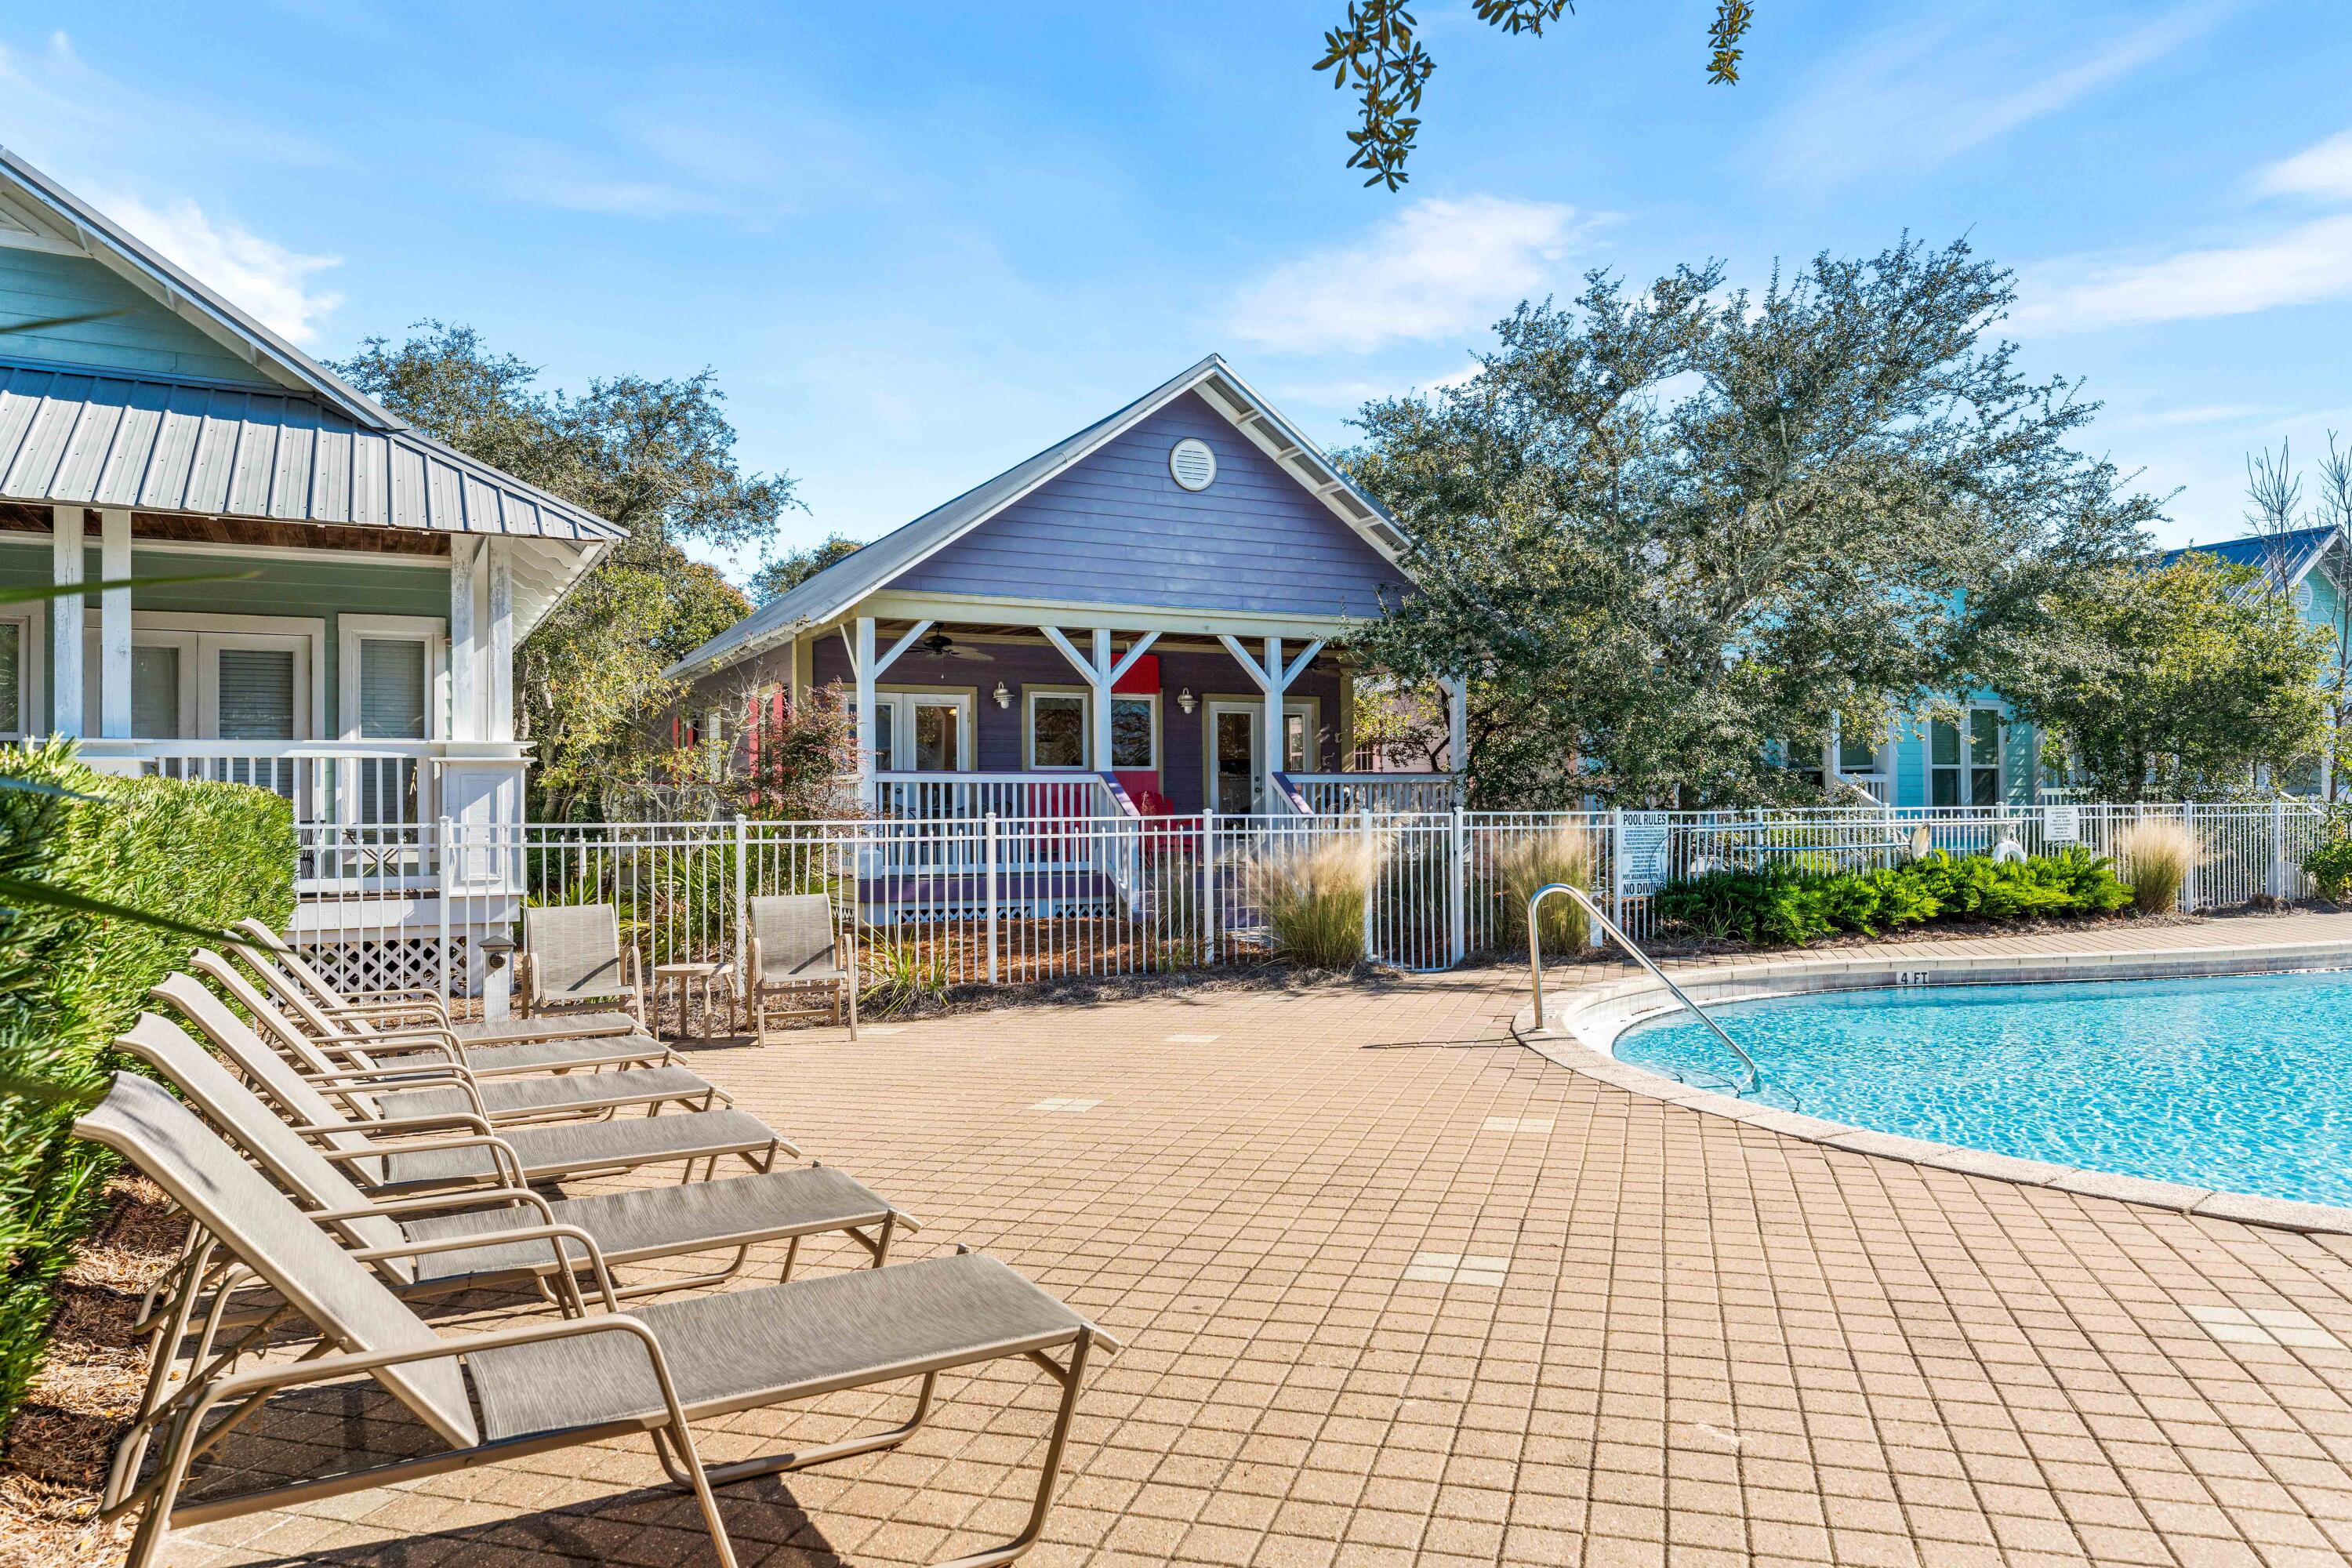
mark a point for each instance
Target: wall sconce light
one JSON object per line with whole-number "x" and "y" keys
{"x": 1004, "y": 698}
{"x": 1185, "y": 699}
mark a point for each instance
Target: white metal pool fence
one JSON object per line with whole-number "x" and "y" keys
{"x": 996, "y": 900}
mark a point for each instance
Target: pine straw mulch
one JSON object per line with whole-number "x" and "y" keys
{"x": 54, "y": 1454}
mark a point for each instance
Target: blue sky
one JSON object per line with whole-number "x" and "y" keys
{"x": 918, "y": 243}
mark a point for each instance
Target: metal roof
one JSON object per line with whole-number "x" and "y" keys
{"x": 834, "y": 590}
{"x": 2292, "y": 554}
{"x": 156, "y": 444}
{"x": 101, "y": 238}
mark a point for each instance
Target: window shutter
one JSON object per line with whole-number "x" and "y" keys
{"x": 155, "y": 693}
{"x": 12, "y": 666}
{"x": 392, "y": 690}
{"x": 256, "y": 694}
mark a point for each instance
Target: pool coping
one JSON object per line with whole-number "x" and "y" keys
{"x": 1581, "y": 1027}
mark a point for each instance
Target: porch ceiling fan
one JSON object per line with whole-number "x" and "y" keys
{"x": 939, "y": 645}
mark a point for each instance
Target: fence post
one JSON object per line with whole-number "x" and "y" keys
{"x": 448, "y": 890}
{"x": 2278, "y": 849}
{"x": 1616, "y": 871}
{"x": 1209, "y": 922}
{"x": 742, "y": 885}
{"x": 1372, "y": 883}
{"x": 2188, "y": 888}
{"x": 1460, "y": 913}
{"x": 988, "y": 848}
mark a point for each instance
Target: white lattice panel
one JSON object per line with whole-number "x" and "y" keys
{"x": 389, "y": 963}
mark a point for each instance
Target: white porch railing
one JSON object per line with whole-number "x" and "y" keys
{"x": 969, "y": 797}
{"x": 376, "y": 783}
{"x": 1328, "y": 794}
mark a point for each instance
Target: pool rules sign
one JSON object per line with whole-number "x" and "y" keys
{"x": 2062, "y": 824}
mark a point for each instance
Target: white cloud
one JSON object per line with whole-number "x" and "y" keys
{"x": 2299, "y": 265}
{"x": 2323, "y": 171}
{"x": 261, "y": 277}
{"x": 1958, "y": 80}
{"x": 1436, "y": 269}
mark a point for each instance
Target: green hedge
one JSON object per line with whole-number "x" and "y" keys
{"x": 204, "y": 853}
{"x": 1790, "y": 906}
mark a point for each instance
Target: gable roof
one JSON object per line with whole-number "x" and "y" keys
{"x": 41, "y": 209}
{"x": 318, "y": 451}
{"x": 831, "y": 593}
{"x": 2292, "y": 554}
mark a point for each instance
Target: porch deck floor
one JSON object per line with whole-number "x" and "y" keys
{"x": 1396, "y": 1289}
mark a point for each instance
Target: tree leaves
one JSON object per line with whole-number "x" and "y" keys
{"x": 1377, "y": 52}
{"x": 1674, "y": 528}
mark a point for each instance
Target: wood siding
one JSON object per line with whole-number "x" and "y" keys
{"x": 36, "y": 285}
{"x": 325, "y": 588}
{"x": 997, "y": 731}
{"x": 1118, "y": 529}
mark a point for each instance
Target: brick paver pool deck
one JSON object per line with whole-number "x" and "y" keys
{"x": 1396, "y": 1289}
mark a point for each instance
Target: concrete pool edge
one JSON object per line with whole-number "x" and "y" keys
{"x": 1582, "y": 1025}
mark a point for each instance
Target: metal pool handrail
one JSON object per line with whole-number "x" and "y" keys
{"x": 1593, "y": 912}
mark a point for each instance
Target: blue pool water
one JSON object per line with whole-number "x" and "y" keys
{"x": 2241, "y": 1084}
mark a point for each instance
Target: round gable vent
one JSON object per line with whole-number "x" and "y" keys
{"x": 1192, "y": 463}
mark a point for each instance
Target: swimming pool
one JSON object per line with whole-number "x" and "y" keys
{"x": 2239, "y": 1084}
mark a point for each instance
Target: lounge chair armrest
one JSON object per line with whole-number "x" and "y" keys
{"x": 373, "y": 1128}
{"x": 286, "y": 1374}
{"x": 419, "y": 1077}
{"x": 502, "y": 1155}
{"x": 557, "y": 1233}
{"x": 440, "y": 1203}
{"x": 392, "y": 1045}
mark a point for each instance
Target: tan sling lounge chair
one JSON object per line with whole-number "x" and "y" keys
{"x": 464, "y": 1148}
{"x": 645, "y": 1371}
{"x": 795, "y": 951}
{"x": 437, "y": 1083}
{"x": 572, "y": 960}
{"x": 427, "y": 1009}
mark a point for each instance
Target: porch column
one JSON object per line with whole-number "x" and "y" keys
{"x": 114, "y": 628}
{"x": 1270, "y": 716}
{"x": 1098, "y": 711}
{"x": 1101, "y": 673}
{"x": 861, "y": 660}
{"x": 465, "y": 653}
{"x": 1273, "y": 679}
{"x": 498, "y": 641}
{"x": 66, "y": 622}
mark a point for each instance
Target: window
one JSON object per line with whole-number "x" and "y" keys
{"x": 12, "y": 678}
{"x": 885, "y": 734}
{"x": 1858, "y": 753}
{"x": 256, "y": 694}
{"x": 1804, "y": 758}
{"x": 155, "y": 691}
{"x": 1135, "y": 733}
{"x": 939, "y": 737}
{"x": 1964, "y": 758}
{"x": 1297, "y": 745}
{"x": 392, "y": 688}
{"x": 1057, "y": 730}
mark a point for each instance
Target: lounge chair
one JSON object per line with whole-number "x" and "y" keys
{"x": 465, "y": 1149}
{"x": 645, "y": 1370}
{"x": 572, "y": 960}
{"x": 795, "y": 949}
{"x": 435, "y": 1082}
{"x": 632, "y": 1226}
{"x": 385, "y": 1009}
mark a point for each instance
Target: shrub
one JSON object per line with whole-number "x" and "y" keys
{"x": 2155, "y": 855}
{"x": 1538, "y": 859}
{"x": 903, "y": 973}
{"x": 2329, "y": 865}
{"x": 1789, "y": 906}
{"x": 201, "y": 853}
{"x": 1314, "y": 895}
